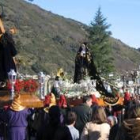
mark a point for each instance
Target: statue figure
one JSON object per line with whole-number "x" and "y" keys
{"x": 7, "y": 55}
{"x": 7, "y": 51}
{"x": 85, "y": 67}
{"x": 82, "y": 63}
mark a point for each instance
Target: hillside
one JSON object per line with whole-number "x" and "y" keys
{"x": 126, "y": 58}
{"x": 46, "y": 41}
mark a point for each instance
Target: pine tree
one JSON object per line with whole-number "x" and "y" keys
{"x": 99, "y": 44}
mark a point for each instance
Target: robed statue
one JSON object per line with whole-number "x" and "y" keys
{"x": 82, "y": 63}
{"x": 85, "y": 67}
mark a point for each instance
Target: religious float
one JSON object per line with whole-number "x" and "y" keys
{"x": 86, "y": 82}
{"x": 34, "y": 89}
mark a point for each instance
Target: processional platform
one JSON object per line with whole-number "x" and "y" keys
{"x": 27, "y": 99}
{"x": 30, "y": 100}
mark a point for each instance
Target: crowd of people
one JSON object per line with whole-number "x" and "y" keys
{"x": 57, "y": 120}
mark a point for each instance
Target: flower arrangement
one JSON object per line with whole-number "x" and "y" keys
{"x": 29, "y": 86}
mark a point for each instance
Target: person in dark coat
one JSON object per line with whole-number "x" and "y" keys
{"x": 54, "y": 130}
{"x": 3, "y": 127}
{"x": 63, "y": 133}
{"x": 16, "y": 118}
{"x": 83, "y": 112}
{"x": 7, "y": 55}
{"x": 37, "y": 123}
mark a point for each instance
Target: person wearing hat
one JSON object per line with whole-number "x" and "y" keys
{"x": 50, "y": 100}
{"x": 64, "y": 107}
{"x": 41, "y": 116}
{"x": 16, "y": 118}
{"x": 62, "y": 101}
{"x": 54, "y": 130}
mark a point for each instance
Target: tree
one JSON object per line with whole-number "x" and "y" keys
{"x": 99, "y": 44}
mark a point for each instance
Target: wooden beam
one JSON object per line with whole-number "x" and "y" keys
{"x": 2, "y": 30}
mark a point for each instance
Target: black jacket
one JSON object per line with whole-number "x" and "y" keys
{"x": 84, "y": 113}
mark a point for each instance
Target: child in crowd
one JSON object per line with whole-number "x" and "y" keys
{"x": 71, "y": 119}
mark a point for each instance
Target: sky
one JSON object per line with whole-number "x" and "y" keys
{"x": 123, "y": 15}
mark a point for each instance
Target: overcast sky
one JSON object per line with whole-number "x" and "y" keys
{"x": 123, "y": 15}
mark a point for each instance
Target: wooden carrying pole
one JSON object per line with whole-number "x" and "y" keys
{"x": 2, "y": 30}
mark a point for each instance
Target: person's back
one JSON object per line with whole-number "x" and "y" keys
{"x": 70, "y": 120}
{"x": 54, "y": 123}
{"x": 74, "y": 132}
{"x": 38, "y": 122}
{"x": 97, "y": 128}
{"x": 95, "y": 131}
{"x": 16, "y": 118}
{"x": 54, "y": 130}
{"x": 62, "y": 133}
{"x": 83, "y": 112}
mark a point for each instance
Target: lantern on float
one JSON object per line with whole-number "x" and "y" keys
{"x": 41, "y": 78}
{"x": 12, "y": 78}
